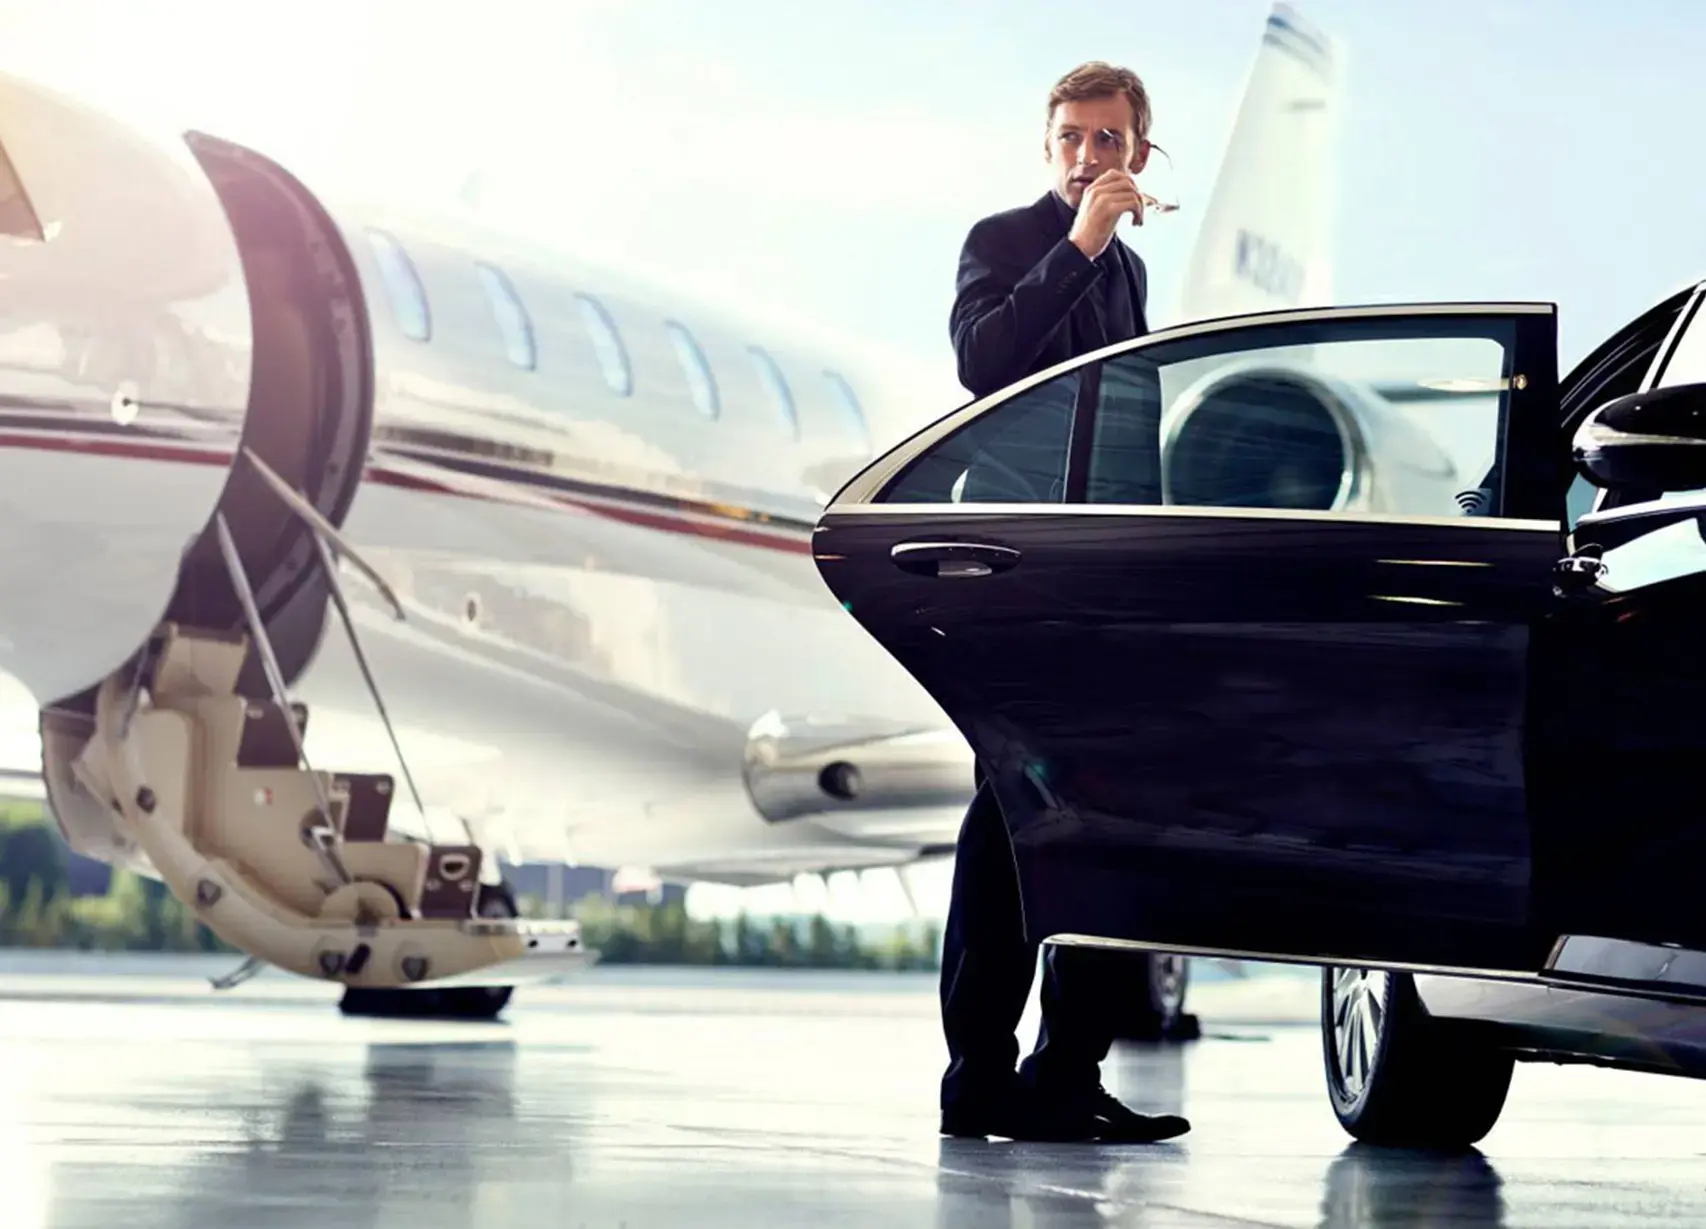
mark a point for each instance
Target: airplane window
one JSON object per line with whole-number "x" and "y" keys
{"x": 17, "y": 216}
{"x": 403, "y": 285}
{"x": 511, "y": 316}
{"x": 852, "y": 416}
{"x": 772, "y": 376}
{"x": 612, "y": 355}
{"x": 1013, "y": 453}
{"x": 700, "y": 382}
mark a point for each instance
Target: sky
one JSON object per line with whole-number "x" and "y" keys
{"x": 828, "y": 159}
{"x": 825, "y": 161}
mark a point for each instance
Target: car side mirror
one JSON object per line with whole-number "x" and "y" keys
{"x": 1652, "y": 441}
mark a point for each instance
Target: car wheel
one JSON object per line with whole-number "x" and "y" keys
{"x": 457, "y": 1003}
{"x": 1155, "y": 1008}
{"x": 1169, "y": 975}
{"x": 1397, "y": 1076}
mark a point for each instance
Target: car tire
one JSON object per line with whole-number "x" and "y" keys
{"x": 1398, "y": 1077}
{"x": 1155, "y": 1007}
{"x": 456, "y": 1003}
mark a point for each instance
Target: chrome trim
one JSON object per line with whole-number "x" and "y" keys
{"x": 1186, "y": 510}
{"x": 1330, "y": 960}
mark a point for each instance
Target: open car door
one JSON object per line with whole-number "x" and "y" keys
{"x": 1237, "y": 618}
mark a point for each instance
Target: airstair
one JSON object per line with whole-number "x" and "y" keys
{"x": 297, "y": 867}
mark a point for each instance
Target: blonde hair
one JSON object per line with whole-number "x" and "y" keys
{"x": 1098, "y": 79}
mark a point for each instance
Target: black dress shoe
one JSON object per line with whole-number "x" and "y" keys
{"x": 1118, "y": 1123}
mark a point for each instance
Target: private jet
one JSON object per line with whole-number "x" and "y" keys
{"x": 353, "y": 550}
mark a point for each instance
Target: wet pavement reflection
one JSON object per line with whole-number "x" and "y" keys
{"x": 793, "y": 1112}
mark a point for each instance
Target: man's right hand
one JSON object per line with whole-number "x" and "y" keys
{"x": 1111, "y": 195}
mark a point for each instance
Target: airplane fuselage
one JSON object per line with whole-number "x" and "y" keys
{"x": 595, "y": 507}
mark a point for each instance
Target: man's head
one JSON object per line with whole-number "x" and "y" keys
{"x": 1093, "y": 97}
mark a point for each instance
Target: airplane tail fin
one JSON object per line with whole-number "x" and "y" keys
{"x": 1265, "y": 240}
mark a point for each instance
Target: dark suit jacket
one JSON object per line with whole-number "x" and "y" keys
{"x": 1021, "y": 301}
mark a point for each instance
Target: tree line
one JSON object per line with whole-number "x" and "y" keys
{"x": 39, "y": 910}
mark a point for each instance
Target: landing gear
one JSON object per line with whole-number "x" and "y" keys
{"x": 455, "y": 1003}
{"x": 1151, "y": 1007}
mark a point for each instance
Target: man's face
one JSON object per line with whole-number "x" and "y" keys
{"x": 1079, "y": 149}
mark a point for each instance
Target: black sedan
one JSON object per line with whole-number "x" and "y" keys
{"x": 1351, "y": 637}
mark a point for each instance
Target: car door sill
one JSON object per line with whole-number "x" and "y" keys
{"x": 1262, "y": 957}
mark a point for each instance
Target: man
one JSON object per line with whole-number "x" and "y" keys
{"x": 1038, "y": 285}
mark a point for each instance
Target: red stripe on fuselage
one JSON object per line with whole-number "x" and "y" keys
{"x": 413, "y": 480}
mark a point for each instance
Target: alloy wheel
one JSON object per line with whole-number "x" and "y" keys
{"x": 1360, "y": 997}
{"x": 1169, "y": 974}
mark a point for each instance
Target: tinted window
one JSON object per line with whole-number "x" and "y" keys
{"x": 607, "y": 344}
{"x": 1263, "y": 418}
{"x": 511, "y": 316}
{"x": 402, "y": 286}
{"x": 773, "y": 379}
{"x": 1014, "y": 453}
{"x": 852, "y": 417}
{"x": 700, "y": 382}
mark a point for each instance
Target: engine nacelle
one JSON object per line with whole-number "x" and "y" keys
{"x": 863, "y": 778}
{"x": 1267, "y": 435}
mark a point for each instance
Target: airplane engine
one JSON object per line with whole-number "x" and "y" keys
{"x": 1274, "y": 436}
{"x": 862, "y": 778}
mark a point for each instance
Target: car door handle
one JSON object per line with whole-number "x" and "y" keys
{"x": 953, "y": 559}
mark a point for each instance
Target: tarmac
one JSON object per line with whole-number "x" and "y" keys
{"x": 640, "y": 1097}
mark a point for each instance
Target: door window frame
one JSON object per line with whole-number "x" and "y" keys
{"x": 1528, "y": 423}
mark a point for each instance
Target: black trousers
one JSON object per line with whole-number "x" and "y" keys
{"x": 987, "y": 968}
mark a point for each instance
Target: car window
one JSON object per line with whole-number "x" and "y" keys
{"x": 1014, "y": 453}
{"x": 1260, "y": 418}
